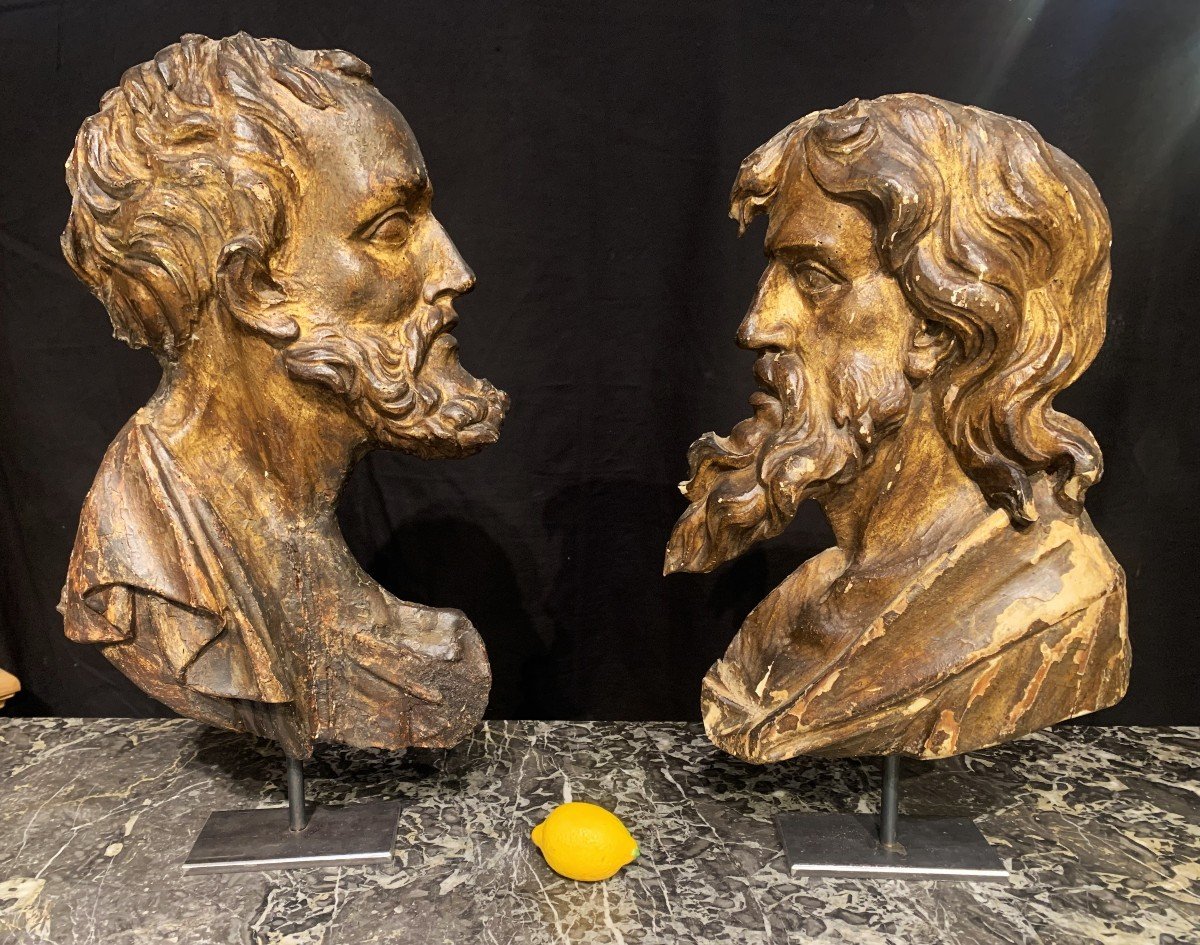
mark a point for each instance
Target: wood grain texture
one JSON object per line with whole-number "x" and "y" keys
{"x": 936, "y": 275}
{"x": 260, "y": 217}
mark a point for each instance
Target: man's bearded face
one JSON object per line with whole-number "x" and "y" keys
{"x": 370, "y": 277}
{"x": 809, "y": 433}
{"x": 833, "y": 330}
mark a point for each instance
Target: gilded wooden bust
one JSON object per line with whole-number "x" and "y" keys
{"x": 259, "y": 217}
{"x": 936, "y": 274}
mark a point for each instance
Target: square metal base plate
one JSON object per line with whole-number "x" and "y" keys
{"x": 847, "y": 845}
{"x": 237, "y": 840}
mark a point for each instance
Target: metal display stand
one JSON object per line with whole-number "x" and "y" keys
{"x": 301, "y": 835}
{"x": 862, "y": 846}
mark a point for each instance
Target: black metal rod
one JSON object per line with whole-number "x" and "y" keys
{"x": 297, "y": 809}
{"x": 889, "y": 806}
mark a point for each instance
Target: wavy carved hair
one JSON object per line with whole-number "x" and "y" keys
{"x": 992, "y": 233}
{"x": 191, "y": 154}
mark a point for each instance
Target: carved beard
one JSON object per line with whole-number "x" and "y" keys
{"x": 410, "y": 392}
{"x": 805, "y": 438}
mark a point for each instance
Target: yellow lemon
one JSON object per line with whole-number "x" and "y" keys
{"x": 583, "y": 841}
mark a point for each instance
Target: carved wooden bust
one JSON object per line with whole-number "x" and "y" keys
{"x": 259, "y": 217}
{"x": 936, "y": 275}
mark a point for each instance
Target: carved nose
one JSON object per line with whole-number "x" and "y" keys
{"x": 454, "y": 276}
{"x": 762, "y": 327}
{"x": 757, "y": 333}
{"x": 460, "y": 279}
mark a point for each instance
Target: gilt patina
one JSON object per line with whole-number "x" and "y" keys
{"x": 936, "y": 275}
{"x": 258, "y": 216}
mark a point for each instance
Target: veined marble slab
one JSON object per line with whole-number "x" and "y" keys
{"x": 1100, "y": 828}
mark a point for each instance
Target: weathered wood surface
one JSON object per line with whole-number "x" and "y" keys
{"x": 259, "y": 217}
{"x": 936, "y": 275}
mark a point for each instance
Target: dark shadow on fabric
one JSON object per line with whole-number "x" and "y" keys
{"x": 609, "y": 537}
{"x": 448, "y": 561}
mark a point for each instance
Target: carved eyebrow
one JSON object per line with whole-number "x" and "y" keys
{"x": 395, "y": 192}
{"x": 801, "y": 252}
{"x": 401, "y": 188}
{"x": 406, "y": 185}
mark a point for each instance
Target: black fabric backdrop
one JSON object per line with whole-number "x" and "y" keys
{"x": 583, "y": 155}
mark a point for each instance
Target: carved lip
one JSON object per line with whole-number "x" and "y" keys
{"x": 443, "y": 339}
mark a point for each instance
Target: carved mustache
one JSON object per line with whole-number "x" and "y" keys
{"x": 444, "y": 320}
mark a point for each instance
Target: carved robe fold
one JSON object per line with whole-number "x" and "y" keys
{"x": 1004, "y": 633}
{"x": 259, "y": 636}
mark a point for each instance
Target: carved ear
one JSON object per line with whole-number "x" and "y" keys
{"x": 252, "y": 297}
{"x": 931, "y": 344}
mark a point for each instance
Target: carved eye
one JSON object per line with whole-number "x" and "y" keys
{"x": 393, "y": 227}
{"x": 815, "y": 279}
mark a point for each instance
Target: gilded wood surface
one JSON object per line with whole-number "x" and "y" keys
{"x": 936, "y": 275}
{"x": 259, "y": 217}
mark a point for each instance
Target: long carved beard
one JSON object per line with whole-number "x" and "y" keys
{"x": 805, "y": 438}
{"x": 410, "y": 392}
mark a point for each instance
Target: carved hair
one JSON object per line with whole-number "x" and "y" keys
{"x": 993, "y": 234}
{"x": 190, "y": 155}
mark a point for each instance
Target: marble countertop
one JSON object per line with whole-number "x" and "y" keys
{"x": 1100, "y": 828}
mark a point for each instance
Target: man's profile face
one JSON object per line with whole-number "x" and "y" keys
{"x": 370, "y": 276}
{"x": 835, "y": 335}
{"x": 826, "y": 296}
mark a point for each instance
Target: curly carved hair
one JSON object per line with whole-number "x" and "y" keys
{"x": 992, "y": 233}
{"x": 190, "y": 155}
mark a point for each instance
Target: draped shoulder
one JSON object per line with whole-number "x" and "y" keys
{"x": 1003, "y": 633}
{"x": 147, "y": 539}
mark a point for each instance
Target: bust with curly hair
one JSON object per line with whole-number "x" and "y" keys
{"x": 936, "y": 275}
{"x": 259, "y": 217}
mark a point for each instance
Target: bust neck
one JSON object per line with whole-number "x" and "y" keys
{"x": 243, "y": 429}
{"x": 912, "y": 501}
